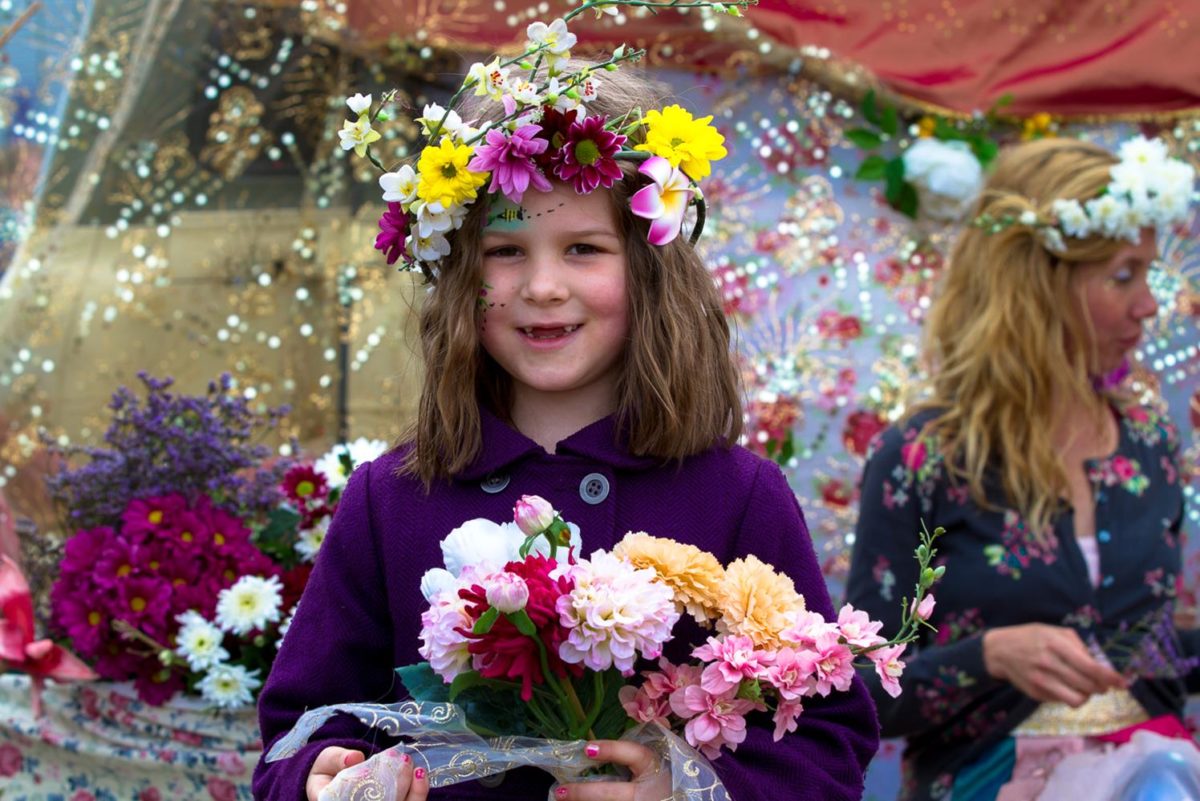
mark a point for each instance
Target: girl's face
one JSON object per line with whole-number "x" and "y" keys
{"x": 557, "y": 316}
{"x": 1116, "y": 296}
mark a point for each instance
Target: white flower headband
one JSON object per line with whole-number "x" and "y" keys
{"x": 546, "y": 132}
{"x": 1148, "y": 188}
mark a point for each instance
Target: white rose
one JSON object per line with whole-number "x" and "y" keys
{"x": 481, "y": 543}
{"x": 947, "y": 177}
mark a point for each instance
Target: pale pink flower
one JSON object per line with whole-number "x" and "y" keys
{"x": 441, "y": 645}
{"x": 808, "y": 627}
{"x": 669, "y": 678}
{"x": 713, "y": 720}
{"x": 614, "y": 613}
{"x": 785, "y": 718}
{"x": 792, "y": 672}
{"x": 834, "y": 664}
{"x": 732, "y": 659}
{"x": 858, "y": 628}
{"x": 925, "y": 609}
{"x": 664, "y": 201}
{"x": 640, "y": 706}
{"x": 889, "y": 667}
{"x": 533, "y": 514}
{"x": 506, "y": 592}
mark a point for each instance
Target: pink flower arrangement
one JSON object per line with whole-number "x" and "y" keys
{"x": 566, "y": 634}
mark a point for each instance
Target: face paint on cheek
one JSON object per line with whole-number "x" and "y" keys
{"x": 504, "y": 216}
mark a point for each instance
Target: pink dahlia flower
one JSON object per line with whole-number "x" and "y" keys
{"x": 586, "y": 158}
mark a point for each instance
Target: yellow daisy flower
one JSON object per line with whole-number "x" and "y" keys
{"x": 689, "y": 144}
{"x": 444, "y": 177}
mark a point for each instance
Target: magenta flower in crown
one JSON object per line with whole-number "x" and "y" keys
{"x": 664, "y": 201}
{"x": 509, "y": 158}
{"x": 393, "y": 230}
{"x": 586, "y": 159}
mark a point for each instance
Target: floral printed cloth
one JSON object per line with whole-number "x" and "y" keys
{"x": 951, "y": 711}
{"x": 97, "y": 742}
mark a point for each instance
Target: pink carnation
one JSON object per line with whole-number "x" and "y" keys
{"x": 858, "y": 628}
{"x": 442, "y": 646}
{"x": 640, "y": 706}
{"x": 614, "y": 613}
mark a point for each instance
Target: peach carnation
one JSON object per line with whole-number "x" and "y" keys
{"x": 758, "y": 602}
{"x": 694, "y": 576}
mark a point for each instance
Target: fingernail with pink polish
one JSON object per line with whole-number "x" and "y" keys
{"x": 561, "y": 792}
{"x": 592, "y": 750}
{"x": 404, "y": 758}
{"x": 419, "y": 774}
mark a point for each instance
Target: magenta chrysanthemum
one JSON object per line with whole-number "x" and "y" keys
{"x": 393, "y": 228}
{"x": 586, "y": 159}
{"x": 510, "y": 159}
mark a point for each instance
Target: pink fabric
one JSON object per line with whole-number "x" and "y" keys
{"x": 1166, "y": 725}
{"x": 1036, "y": 757}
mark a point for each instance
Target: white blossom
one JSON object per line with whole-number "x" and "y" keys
{"x": 229, "y": 686}
{"x": 251, "y": 603}
{"x": 199, "y": 641}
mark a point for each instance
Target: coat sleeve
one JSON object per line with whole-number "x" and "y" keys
{"x": 939, "y": 681}
{"x": 339, "y": 636}
{"x": 826, "y": 757}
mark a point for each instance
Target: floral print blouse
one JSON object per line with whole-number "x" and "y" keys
{"x": 997, "y": 574}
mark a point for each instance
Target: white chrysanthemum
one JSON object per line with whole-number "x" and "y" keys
{"x": 330, "y": 465}
{"x": 1106, "y": 213}
{"x": 199, "y": 641}
{"x": 359, "y": 103}
{"x": 399, "y": 186}
{"x": 615, "y": 613}
{"x": 1143, "y": 151}
{"x": 1072, "y": 218}
{"x": 360, "y": 450}
{"x": 229, "y": 686}
{"x": 251, "y": 603}
{"x": 363, "y": 450}
{"x": 310, "y": 540}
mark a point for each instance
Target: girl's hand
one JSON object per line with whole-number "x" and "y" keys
{"x": 411, "y": 784}
{"x": 651, "y": 781}
{"x": 1047, "y": 663}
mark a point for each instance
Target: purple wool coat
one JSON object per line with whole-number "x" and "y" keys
{"x": 359, "y": 617}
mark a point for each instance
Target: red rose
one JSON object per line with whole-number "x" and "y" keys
{"x": 861, "y": 427}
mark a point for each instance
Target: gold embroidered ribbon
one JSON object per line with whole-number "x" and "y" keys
{"x": 1100, "y": 714}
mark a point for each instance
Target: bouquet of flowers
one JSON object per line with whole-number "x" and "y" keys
{"x": 530, "y": 647}
{"x": 191, "y": 545}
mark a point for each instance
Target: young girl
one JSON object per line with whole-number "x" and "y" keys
{"x": 567, "y": 357}
{"x": 1060, "y": 494}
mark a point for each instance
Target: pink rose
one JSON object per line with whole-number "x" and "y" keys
{"x": 10, "y": 760}
{"x": 222, "y": 789}
{"x": 533, "y": 514}
{"x": 1123, "y": 468}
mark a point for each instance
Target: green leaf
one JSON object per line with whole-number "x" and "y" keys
{"x": 788, "y": 450}
{"x": 867, "y": 140}
{"x": 947, "y": 131}
{"x": 870, "y": 109}
{"x": 464, "y": 681}
{"x": 486, "y": 621}
{"x": 523, "y": 622}
{"x": 891, "y": 121}
{"x": 871, "y": 169}
{"x": 1003, "y": 100}
{"x": 422, "y": 683}
{"x": 908, "y": 202}
{"x": 893, "y": 173}
{"x": 985, "y": 150}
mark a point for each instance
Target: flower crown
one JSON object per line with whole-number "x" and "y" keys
{"x": 545, "y": 131}
{"x": 1148, "y": 188}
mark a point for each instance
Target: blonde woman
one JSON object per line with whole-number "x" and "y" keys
{"x": 1060, "y": 494}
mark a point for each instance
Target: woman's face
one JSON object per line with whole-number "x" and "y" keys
{"x": 1115, "y": 295}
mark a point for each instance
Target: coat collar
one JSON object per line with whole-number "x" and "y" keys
{"x": 503, "y": 446}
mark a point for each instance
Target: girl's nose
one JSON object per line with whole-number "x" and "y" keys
{"x": 1144, "y": 305}
{"x": 544, "y": 281}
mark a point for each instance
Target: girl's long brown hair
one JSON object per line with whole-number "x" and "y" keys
{"x": 1007, "y": 339}
{"x": 679, "y": 391}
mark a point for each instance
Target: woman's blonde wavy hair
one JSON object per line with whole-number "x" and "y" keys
{"x": 679, "y": 390}
{"x": 1007, "y": 342}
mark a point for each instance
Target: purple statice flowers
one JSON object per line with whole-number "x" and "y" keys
{"x": 171, "y": 443}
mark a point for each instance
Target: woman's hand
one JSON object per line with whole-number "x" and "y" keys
{"x": 1047, "y": 663}
{"x": 411, "y": 784}
{"x": 651, "y": 781}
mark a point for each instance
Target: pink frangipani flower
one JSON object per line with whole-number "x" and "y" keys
{"x": 664, "y": 201}
{"x": 510, "y": 161}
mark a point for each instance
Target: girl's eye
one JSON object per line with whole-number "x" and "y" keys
{"x": 502, "y": 252}
{"x": 583, "y": 249}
